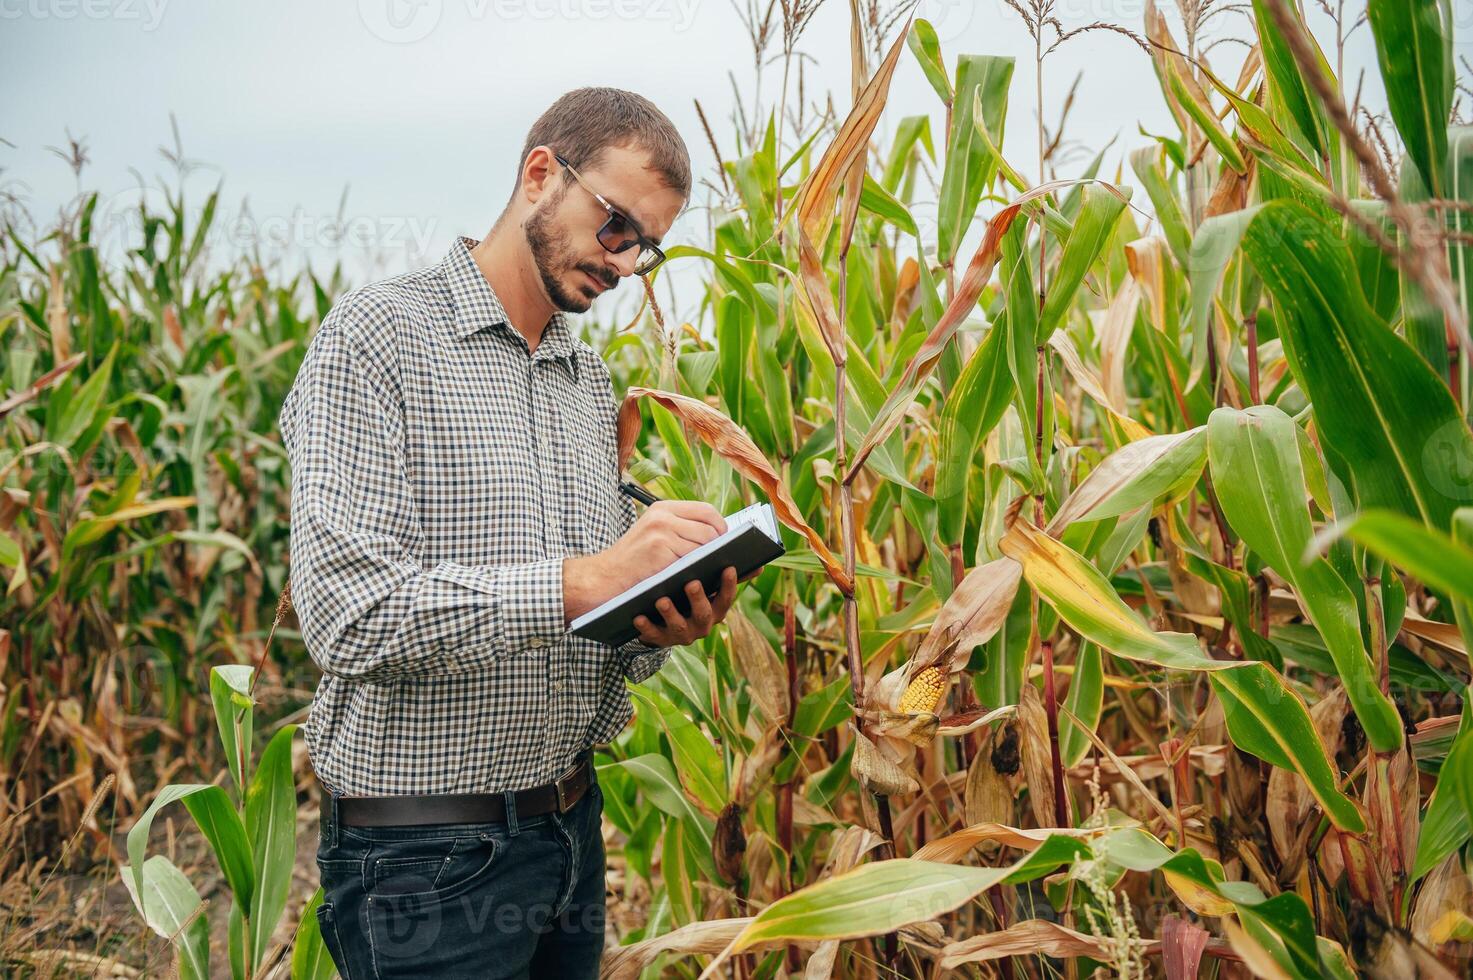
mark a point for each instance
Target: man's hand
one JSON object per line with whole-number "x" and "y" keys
{"x": 705, "y": 612}
{"x": 665, "y": 531}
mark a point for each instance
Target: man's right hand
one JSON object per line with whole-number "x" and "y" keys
{"x": 666, "y": 530}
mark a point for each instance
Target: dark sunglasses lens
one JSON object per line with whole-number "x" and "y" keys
{"x": 647, "y": 261}
{"x": 616, "y": 235}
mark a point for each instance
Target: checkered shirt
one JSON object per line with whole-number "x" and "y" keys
{"x": 439, "y": 475}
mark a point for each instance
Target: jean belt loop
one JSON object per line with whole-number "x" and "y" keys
{"x": 510, "y": 795}
{"x": 331, "y": 804}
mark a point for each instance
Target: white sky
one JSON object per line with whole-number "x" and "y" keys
{"x": 419, "y": 107}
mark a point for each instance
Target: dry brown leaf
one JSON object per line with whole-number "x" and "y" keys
{"x": 815, "y": 200}
{"x": 1289, "y": 800}
{"x": 969, "y": 721}
{"x": 58, "y": 321}
{"x": 698, "y": 938}
{"x": 1254, "y": 956}
{"x": 972, "y": 614}
{"x": 957, "y": 845}
{"x": 39, "y": 385}
{"x": 1114, "y": 339}
{"x": 762, "y": 669}
{"x": 1182, "y": 944}
{"x": 172, "y": 329}
{"x": 1392, "y": 801}
{"x": 732, "y": 444}
{"x": 1037, "y": 756}
{"x": 1030, "y": 938}
{"x": 1231, "y": 192}
{"x": 820, "y": 300}
{"x": 1194, "y": 594}
{"x": 905, "y": 289}
{"x": 988, "y": 795}
{"x": 1148, "y": 259}
{"x": 1446, "y": 893}
{"x": 1445, "y": 635}
{"x": 877, "y": 773}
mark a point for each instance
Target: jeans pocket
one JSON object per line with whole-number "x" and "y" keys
{"x": 433, "y": 868}
{"x": 327, "y": 924}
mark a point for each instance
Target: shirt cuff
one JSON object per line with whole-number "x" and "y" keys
{"x": 642, "y": 661}
{"x": 526, "y": 601}
{"x": 531, "y": 603}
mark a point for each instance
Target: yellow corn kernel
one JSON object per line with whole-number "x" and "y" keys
{"x": 924, "y": 692}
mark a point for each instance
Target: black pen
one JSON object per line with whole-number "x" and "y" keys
{"x": 638, "y": 492}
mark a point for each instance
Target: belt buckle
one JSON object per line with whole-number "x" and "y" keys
{"x": 563, "y": 803}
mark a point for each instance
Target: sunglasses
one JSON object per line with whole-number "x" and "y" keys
{"x": 619, "y": 232}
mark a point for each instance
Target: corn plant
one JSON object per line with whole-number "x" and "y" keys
{"x": 253, "y": 838}
{"x": 1125, "y": 617}
{"x": 1180, "y": 501}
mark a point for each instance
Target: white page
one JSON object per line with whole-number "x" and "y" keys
{"x": 759, "y": 513}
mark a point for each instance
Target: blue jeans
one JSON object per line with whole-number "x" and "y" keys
{"x": 522, "y": 897}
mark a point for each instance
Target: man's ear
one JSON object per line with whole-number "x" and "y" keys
{"x": 537, "y": 174}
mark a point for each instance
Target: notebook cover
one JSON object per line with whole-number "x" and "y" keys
{"x": 749, "y": 548}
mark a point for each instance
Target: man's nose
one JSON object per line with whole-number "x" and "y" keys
{"x": 623, "y": 262}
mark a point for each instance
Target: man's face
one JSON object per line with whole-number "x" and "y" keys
{"x": 562, "y": 230}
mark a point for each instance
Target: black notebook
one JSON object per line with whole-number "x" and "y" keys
{"x": 750, "y": 541}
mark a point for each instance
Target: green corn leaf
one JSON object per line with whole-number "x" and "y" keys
{"x": 1136, "y": 475}
{"x": 310, "y": 958}
{"x": 657, "y": 781}
{"x": 882, "y": 896}
{"x": 924, "y": 44}
{"x": 698, "y": 764}
{"x": 1414, "y": 46}
{"x": 1287, "y": 84}
{"x": 968, "y": 165}
{"x": 1397, "y": 436}
{"x": 1448, "y": 822}
{"x": 1260, "y": 486}
{"x": 230, "y": 694}
{"x": 1103, "y": 205}
{"x": 167, "y": 902}
{"x": 271, "y": 822}
{"x": 1085, "y": 700}
{"x": 1433, "y": 557}
{"x": 878, "y": 201}
{"x": 1205, "y": 118}
{"x": 217, "y": 819}
{"x": 973, "y": 408}
{"x": 72, "y": 416}
{"x": 1264, "y": 717}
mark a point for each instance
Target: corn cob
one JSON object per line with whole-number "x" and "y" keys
{"x": 924, "y": 692}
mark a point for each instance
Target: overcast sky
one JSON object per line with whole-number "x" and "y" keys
{"x": 418, "y": 108}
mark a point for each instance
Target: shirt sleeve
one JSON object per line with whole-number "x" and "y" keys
{"x": 369, "y": 607}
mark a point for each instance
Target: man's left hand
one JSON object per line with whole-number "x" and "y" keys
{"x": 705, "y": 612}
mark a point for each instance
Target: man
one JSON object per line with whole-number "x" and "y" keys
{"x": 454, "y": 506}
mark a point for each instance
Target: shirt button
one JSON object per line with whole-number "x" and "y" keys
{"x": 536, "y": 641}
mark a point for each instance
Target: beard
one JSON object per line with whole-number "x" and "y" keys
{"x": 552, "y": 253}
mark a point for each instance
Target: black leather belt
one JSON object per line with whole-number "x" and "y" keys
{"x": 413, "y": 811}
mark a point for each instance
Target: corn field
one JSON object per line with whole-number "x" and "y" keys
{"x": 1123, "y": 628}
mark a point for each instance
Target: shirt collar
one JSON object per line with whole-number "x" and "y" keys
{"x": 477, "y": 306}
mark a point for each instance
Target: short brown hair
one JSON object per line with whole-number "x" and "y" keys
{"x": 585, "y": 122}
